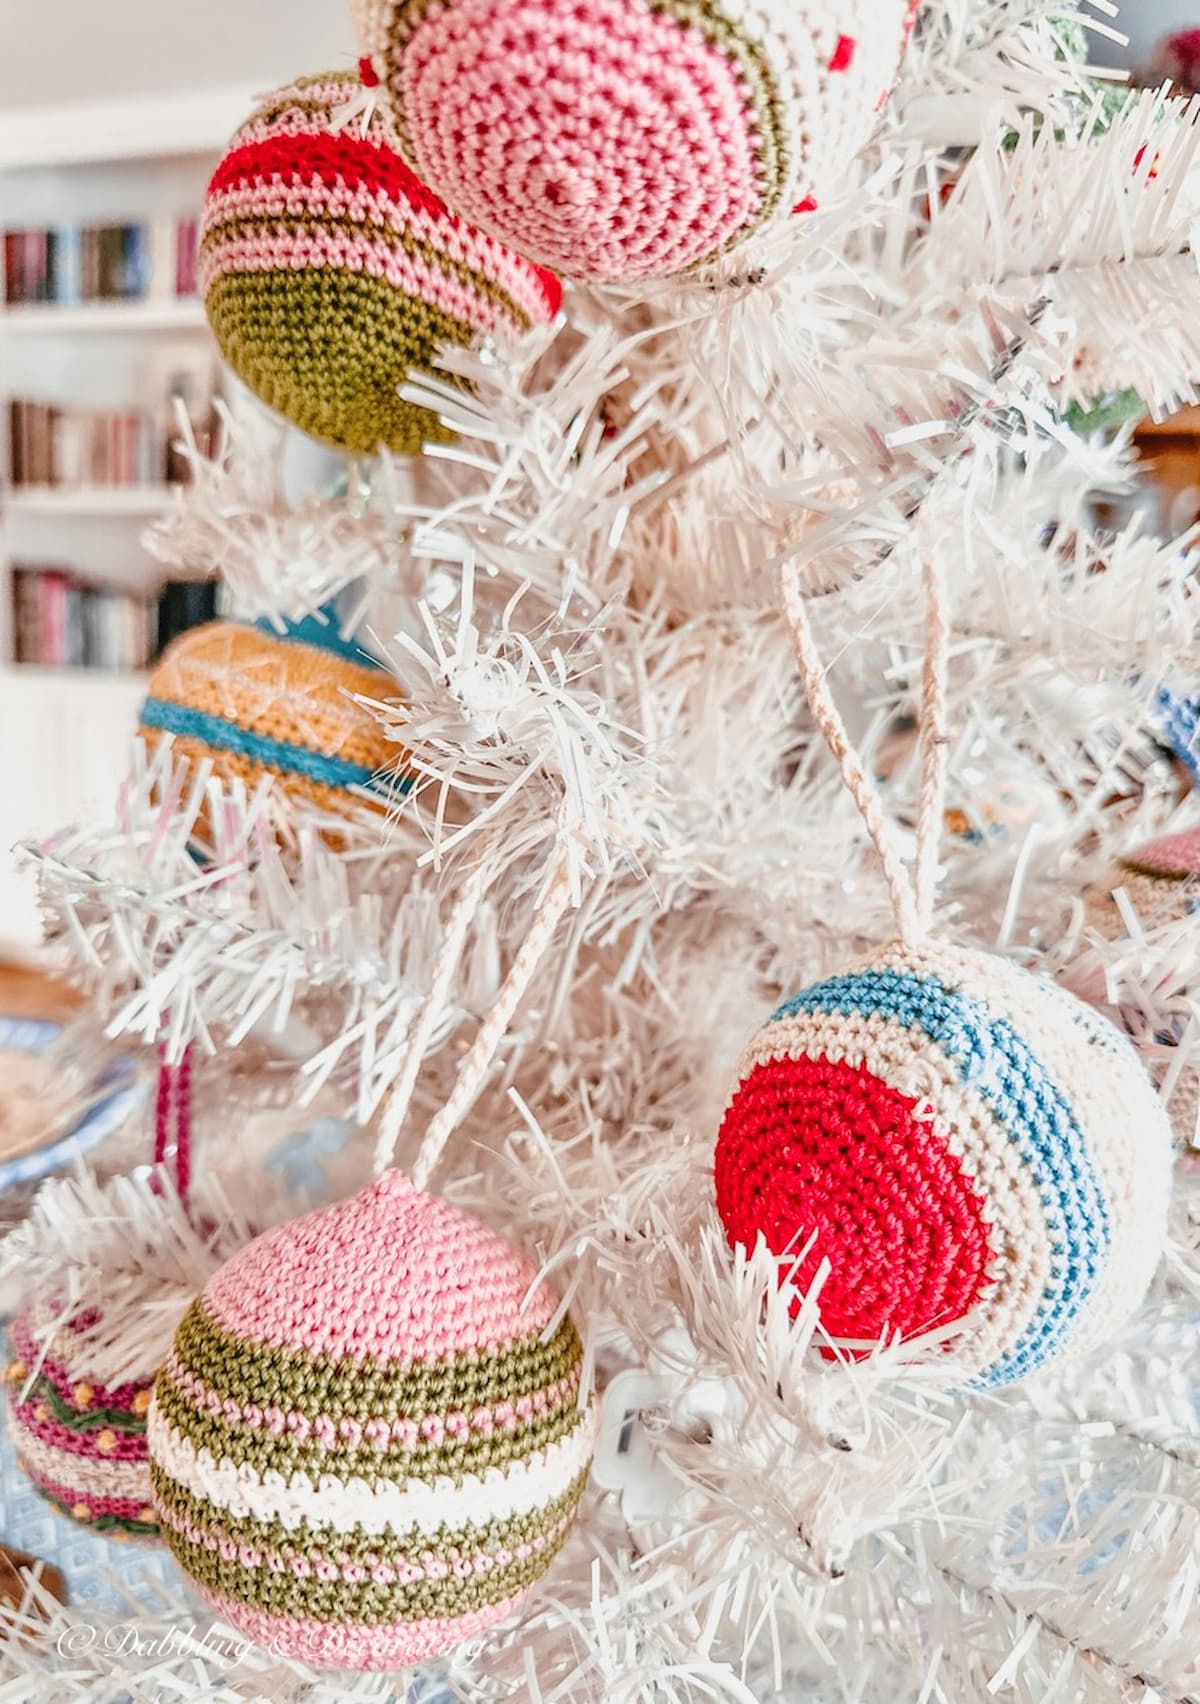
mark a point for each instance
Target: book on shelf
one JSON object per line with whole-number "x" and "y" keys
{"x": 67, "y": 265}
{"x": 63, "y": 621}
{"x": 64, "y": 447}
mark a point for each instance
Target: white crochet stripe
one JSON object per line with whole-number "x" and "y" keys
{"x": 1117, "y": 1107}
{"x": 911, "y": 1064}
{"x": 79, "y": 1473}
{"x": 501, "y": 1494}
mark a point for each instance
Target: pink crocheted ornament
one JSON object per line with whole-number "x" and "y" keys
{"x": 369, "y": 1442}
{"x": 612, "y": 139}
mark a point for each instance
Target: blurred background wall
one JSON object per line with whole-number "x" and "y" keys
{"x": 1144, "y": 21}
{"x": 138, "y": 47}
{"x": 135, "y": 46}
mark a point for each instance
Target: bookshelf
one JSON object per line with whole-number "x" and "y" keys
{"x": 135, "y": 501}
{"x": 43, "y": 319}
{"x": 65, "y": 731}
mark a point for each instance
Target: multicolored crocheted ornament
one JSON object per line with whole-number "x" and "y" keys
{"x": 1161, "y": 879}
{"x": 254, "y": 702}
{"x": 966, "y": 1144}
{"x": 368, "y": 1442}
{"x": 328, "y": 271}
{"x": 615, "y": 139}
{"x": 84, "y": 1446}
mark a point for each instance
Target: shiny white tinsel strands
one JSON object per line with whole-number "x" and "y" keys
{"x": 586, "y": 654}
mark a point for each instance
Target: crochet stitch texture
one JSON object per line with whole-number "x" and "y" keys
{"x": 256, "y": 702}
{"x": 328, "y": 271}
{"x": 83, "y": 1446}
{"x": 622, "y": 139}
{"x": 970, "y": 1145}
{"x": 368, "y": 1444}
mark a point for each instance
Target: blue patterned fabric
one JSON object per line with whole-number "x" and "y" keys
{"x": 118, "y": 1097}
{"x": 1000, "y": 1065}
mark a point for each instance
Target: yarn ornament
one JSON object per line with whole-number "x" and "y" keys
{"x": 368, "y": 1441}
{"x": 1161, "y": 880}
{"x": 329, "y": 271}
{"x": 615, "y": 140}
{"x": 255, "y": 702}
{"x": 83, "y": 1445}
{"x": 975, "y": 1153}
{"x": 1147, "y": 908}
{"x": 965, "y": 1143}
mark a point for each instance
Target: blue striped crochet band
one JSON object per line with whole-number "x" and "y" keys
{"x": 1004, "y": 1070}
{"x": 215, "y": 731}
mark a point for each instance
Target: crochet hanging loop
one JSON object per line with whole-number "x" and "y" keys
{"x": 173, "y": 1117}
{"x": 555, "y": 901}
{"x": 358, "y": 113}
{"x": 913, "y": 894}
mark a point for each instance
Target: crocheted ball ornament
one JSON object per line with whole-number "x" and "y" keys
{"x": 616, "y": 139}
{"x": 328, "y": 271}
{"x": 367, "y": 1443}
{"x": 1162, "y": 879}
{"x": 967, "y": 1142}
{"x": 253, "y": 702}
{"x": 82, "y": 1444}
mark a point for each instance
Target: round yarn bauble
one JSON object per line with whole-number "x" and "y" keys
{"x": 616, "y": 139}
{"x": 329, "y": 271}
{"x": 367, "y": 1443}
{"x": 1160, "y": 879}
{"x": 256, "y": 702}
{"x": 966, "y": 1144}
{"x": 82, "y": 1443}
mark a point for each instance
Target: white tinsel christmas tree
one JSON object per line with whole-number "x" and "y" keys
{"x": 614, "y": 840}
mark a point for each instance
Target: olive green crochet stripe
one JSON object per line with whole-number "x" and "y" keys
{"x": 85, "y": 1420}
{"x": 404, "y": 240}
{"x": 315, "y": 1385}
{"x": 328, "y": 350}
{"x": 772, "y": 138}
{"x": 276, "y": 108}
{"x": 453, "y": 1458}
{"x": 369, "y": 1603}
{"x": 355, "y": 1545}
{"x": 1133, "y": 868}
{"x": 771, "y": 132}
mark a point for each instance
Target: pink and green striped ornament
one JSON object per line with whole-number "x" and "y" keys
{"x": 330, "y": 272}
{"x": 370, "y": 1439}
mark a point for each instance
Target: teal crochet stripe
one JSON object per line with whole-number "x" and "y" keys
{"x": 215, "y": 731}
{"x": 996, "y": 1061}
{"x": 322, "y": 632}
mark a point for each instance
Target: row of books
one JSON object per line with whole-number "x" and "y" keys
{"x": 69, "y": 264}
{"x": 79, "y": 446}
{"x": 61, "y": 621}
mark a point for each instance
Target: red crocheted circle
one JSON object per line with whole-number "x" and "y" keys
{"x": 808, "y": 1145}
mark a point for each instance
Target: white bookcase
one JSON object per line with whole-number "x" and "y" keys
{"x": 64, "y": 732}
